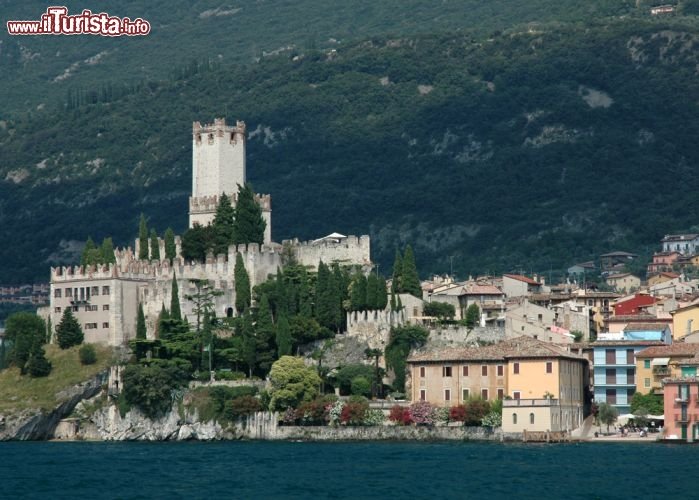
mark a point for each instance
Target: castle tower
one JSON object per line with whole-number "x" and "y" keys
{"x": 218, "y": 166}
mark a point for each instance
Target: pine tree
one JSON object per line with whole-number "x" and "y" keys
{"x": 154, "y": 245}
{"x": 38, "y": 365}
{"x": 283, "y": 337}
{"x": 142, "y": 238}
{"x": 140, "y": 324}
{"x": 397, "y": 278}
{"x": 107, "y": 251}
{"x": 249, "y": 224}
{"x": 170, "y": 247}
{"x": 175, "y": 311}
{"x": 410, "y": 280}
{"x": 68, "y": 331}
{"x": 223, "y": 225}
{"x": 242, "y": 285}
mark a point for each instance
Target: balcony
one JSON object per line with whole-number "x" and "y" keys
{"x": 661, "y": 371}
{"x": 507, "y": 403}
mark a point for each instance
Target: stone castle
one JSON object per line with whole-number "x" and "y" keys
{"x": 105, "y": 298}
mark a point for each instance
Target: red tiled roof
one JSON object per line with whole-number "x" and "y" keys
{"x": 519, "y": 277}
{"x": 621, "y": 343}
{"x": 483, "y": 290}
{"x": 646, "y": 327}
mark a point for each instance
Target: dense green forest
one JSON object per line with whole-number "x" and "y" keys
{"x": 528, "y": 140}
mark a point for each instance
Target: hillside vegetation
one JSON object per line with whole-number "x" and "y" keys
{"x": 18, "y": 392}
{"x": 522, "y": 149}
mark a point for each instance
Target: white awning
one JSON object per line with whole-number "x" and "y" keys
{"x": 660, "y": 361}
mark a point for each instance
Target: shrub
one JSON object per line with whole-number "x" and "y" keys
{"x": 400, "y": 415}
{"x": 441, "y": 415}
{"x": 87, "y": 354}
{"x": 229, "y": 375}
{"x": 38, "y": 365}
{"x": 220, "y": 394}
{"x": 422, "y": 413}
{"x": 361, "y": 386}
{"x": 239, "y": 407}
{"x": 476, "y": 409}
{"x": 335, "y": 412}
{"x": 457, "y": 413}
{"x": 313, "y": 412}
{"x": 353, "y": 413}
{"x": 374, "y": 417}
{"x": 492, "y": 419}
{"x": 289, "y": 416}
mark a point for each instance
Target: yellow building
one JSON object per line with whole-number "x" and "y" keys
{"x": 685, "y": 320}
{"x": 543, "y": 385}
{"x": 653, "y": 364}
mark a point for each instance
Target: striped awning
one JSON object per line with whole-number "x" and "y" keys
{"x": 660, "y": 361}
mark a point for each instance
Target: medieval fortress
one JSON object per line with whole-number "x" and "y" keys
{"x": 105, "y": 298}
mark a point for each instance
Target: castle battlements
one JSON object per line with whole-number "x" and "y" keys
{"x": 218, "y": 128}
{"x": 208, "y": 204}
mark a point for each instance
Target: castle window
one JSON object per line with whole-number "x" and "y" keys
{"x": 105, "y": 290}
{"x": 95, "y": 290}
{"x": 229, "y": 312}
{"x": 105, "y": 307}
{"x": 211, "y": 138}
{"x": 105, "y": 324}
{"x": 57, "y": 293}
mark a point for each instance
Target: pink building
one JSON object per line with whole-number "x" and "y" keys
{"x": 681, "y": 401}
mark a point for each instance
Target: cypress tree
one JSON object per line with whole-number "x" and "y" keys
{"x": 140, "y": 324}
{"x": 382, "y": 294}
{"x": 68, "y": 331}
{"x": 410, "y": 279}
{"x": 397, "y": 278}
{"x": 223, "y": 225}
{"x": 372, "y": 292}
{"x": 107, "y": 251}
{"x": 86, "y": 256}
{"x": 265, "y": 336}
{"x": 305, "y": 301}
{"x": 283, "y": 337}
{"x": 341, "y": 280}
{"x": 170, "y": 247}
{"x": 324, "y": 306}
{"x": 196, "y": 242}
{"x": 249, "y": 224}
{"x": 249, "y": 344}
{"x": 142, "y": 238}
{"x": 243, "y": 296}
{"x": 175, "y": 311}
{"x": 154, "y": 245}
{"x": 282, "y": 298}
{"x": 162, "y": 317}
{"x": 358, "y": 292}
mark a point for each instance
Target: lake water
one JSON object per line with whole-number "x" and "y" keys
{"x": 251, "y": 470}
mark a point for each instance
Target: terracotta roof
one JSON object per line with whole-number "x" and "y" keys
{"x": 648, "y": 318}
{"x": 646, "y": 327}
{"x": 678, "y": 349}
{"x": 618, "y": 254}
{"x": 519, "y": 277}
{"x": 520, "y": 347}
{"x": 483, "y": 290}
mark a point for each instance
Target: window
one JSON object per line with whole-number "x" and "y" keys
{"x": 465, "y": 394}
{"x": 610, "y": 356}
{"x": 422, "y": 372}
{"x": 500, "y": 370}
{"x": 611, "y": 396}
{"x": 75, "y": 308}
{"x": 501, "y": 393}
{"x": 464, "y": 371}
{"x": 423, "y": 395}
{"x": 105, "y": 324}
{"x": 484, "y": 394}
{"x": 95, "y": 290}
{"x": 531, "y": 418}
{"x": 630, "y": 359}
{"x": 446, "y": 371}
{"x": 646, "y": 382}
{"x": 57, "y": 293}
{"x": 610, "y": 375}
{"x": 57, "y": 309}
{"x": 514, "y": 419}
{"x": 447, "y": 394}
{"x": 484, "y": 370}
{"x": 630, "y": 376}
{"x": 540, "y": 317}
{"x": 90, "y": 326}
{"x": 69, "y": 292}
{"x": 646, "y": 363}
{"x": 105, "y": 290}
{"x": 515, "y": 368}
{"x": 630, "y": 393}
{"x": 105, "y": 307}
{"x": 516, "y": 394}
{"x": 549, "y": 367}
